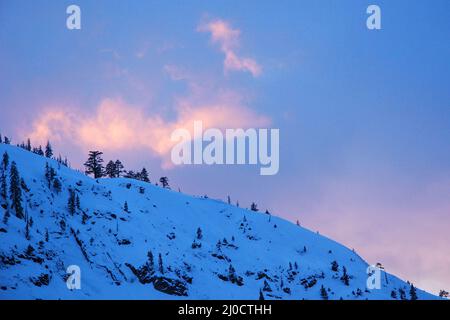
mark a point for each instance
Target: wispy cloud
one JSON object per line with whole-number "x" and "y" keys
{"x": 229, "y": 40}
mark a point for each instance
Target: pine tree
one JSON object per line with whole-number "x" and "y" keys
{"x": 144, "y": 175}
{"x": 199, "y": 233}
{"x": 48, "y": 150}
{"x": 345, "y": 278}
{"x": 6, "y": 216}
{"x": 28, "y": 224}
{"x": 16, "y": 191}
{"x": 160, "y": 264}
{"x": 57, "y": 185}
{"x": 28, "y": 146}
{"x": 77, "y": 202}
{"x": 94, "y": 164}
{"x": 3, "y": 185}
{"x": 412, "y": 292}
{"x": 130, "y": 174}
{"x": 5, "y": 161}
{"x": 443, "y": 294}
{"x": 150, "y": 262}
{"x": 71, "y": 203}
{"x": 7, "y": 140}
{"x": 47, "y": 174}
{"x": 393, "y": 294}
{"x": 335, "y": 266}
{"x": 125, "y": 207}
{"x": 323, "y": 293}
{"x": 110, "y": 169}
{"x": 165, "y": 182}
{"x": 254, "y": 207}
{"x": 119, "y": 168}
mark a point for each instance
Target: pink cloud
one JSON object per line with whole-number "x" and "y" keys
{"x": 229, "y": 39}
{"x": 117, "y": 126}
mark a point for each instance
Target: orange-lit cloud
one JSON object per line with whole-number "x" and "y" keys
{"x": 117, "y": 126}
{"x": 228, "y": 40}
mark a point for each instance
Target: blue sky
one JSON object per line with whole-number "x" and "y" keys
{"x": 364, "y": 116}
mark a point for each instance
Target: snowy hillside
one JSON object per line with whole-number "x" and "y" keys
{"x": 168, "y": 245}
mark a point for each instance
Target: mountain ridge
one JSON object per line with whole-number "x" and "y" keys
{"x": 167, "y": 245}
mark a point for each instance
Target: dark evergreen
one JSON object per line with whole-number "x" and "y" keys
{"x": 345, "y": 277}
{"x": 150, "y": 262}
{"x": 57, "y": 185}
{"x": 412, "y": 292}
{"x": 71, "y": 203}
{"x": 335, "y": 266}
{"x": 3, "y": 185}
{"x": 443, "y": 294}
{"x": 323, "y": 293}
{"x": 144, "y": 175}
{"x": 160, "y": 264}
{"x": 77, "y": 202}
{"x": 39, "y": 151}
{"x": 5, "y": 161}
{"x": 110, "y": 169}
{"x": 130, "y": 174}
{"x": 94, "y": 164}
{"x": 164, "y": 182}
{"x": 48, "y": 150}
{"x": 119, "y": 168}
{"x": 16, "y": 191}
{"x": 199, "y": 234}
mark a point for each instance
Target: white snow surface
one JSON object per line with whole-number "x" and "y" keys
{"x": 261, "y": 248}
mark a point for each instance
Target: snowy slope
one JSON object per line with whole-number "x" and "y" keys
{"x": 111, "y": 246}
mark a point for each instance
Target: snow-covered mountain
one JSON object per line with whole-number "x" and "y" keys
{"x": 168, "y": 245}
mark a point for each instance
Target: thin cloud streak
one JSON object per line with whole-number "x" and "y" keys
{"x": 228, "y": 40}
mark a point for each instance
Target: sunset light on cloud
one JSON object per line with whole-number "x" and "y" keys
{"x": 121, "y": 127}
{"x": 228, "y": 40}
